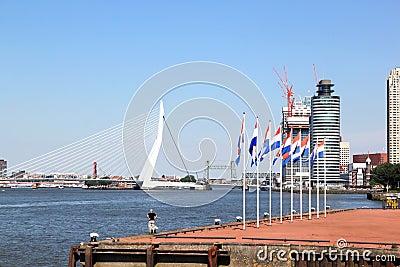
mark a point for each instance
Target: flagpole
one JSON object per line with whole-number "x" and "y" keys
{"x": 317, "y": 179}
{"x": 324, "y": 180}
{"x": 280, "y": 186}
{"x": 244, "y": 172}
{"x": 309, "y": 179}
{"x": 301, "y": 185}
{"x": 291, "y": 177}
{"x": 270, "y": 175}
{"x": 258, "y": 180}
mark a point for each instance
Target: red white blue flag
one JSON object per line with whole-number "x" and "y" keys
{"x": 286, "y": 150}
{"x": 253, "y": 145}
{"x": 240, "y": 141}
{"x": 276, "y": 140}
{"x": 320, "y": 149}
{"x": 305, "y": 147}
{"x": 265, "y": 150}
{"x": 296, "y": 153}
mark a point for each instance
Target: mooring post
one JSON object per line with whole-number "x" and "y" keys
{"x": 89, "y": 256}
{"x": 73, "y": 256}
{"x": 302, "y": 263}
{"x": 376, "y": 263}
{"x": 213, "y": 256}
{"x": 336, "y": 263}
{"x": 150, "y": 256}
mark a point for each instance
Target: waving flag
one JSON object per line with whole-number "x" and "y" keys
{"x": 313, "y": 157}
{"x": 253, "y": 145}
{"x": 305, "y": 147}
{"x": 276, "y": 157}
{"x": 296, "y": 153}
{"x": 320, "y": 149}
{"x": 266, "y": 143}
{"x": 276, "y": 140}
{"x": 240, "y": 141}
{"x": 286, "y": 153}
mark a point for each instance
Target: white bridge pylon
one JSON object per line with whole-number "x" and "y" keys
{"x": 148, "y": 168}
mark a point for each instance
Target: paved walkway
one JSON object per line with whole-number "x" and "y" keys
{"x": 356, "y": 227}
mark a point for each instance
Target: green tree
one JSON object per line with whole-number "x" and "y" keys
{"x": 386, "y": 174}
{"x": 188, "y": 178}
{"x": 90, "y": 183}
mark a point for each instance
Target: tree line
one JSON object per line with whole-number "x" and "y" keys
{"x": 387, "y": 174}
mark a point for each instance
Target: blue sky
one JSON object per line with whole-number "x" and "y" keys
{"x": 68, "y": 69}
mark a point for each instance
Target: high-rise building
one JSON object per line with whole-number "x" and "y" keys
{"x": 325, "y": 125}
{"x": 3, "y": 167}
{"x": 393, "y": 116}
{"x": 344, "y": 157}
{"x": 298, "y": 121}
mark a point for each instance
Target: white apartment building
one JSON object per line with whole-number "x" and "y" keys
{"x": 344, "y": 157}
{"x": 393, "y": 116}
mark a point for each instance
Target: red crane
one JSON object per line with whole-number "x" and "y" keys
{"x": 287, "y": 90}
{"x": 315, "y": 75}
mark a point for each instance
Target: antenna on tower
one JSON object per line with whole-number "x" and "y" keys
{"x": 287, "y": 90}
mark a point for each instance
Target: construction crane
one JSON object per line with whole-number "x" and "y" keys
{"x": 315, "y": 75}
{"x": 287, "y": 90}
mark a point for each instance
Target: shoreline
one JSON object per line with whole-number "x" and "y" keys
{"x": 334, "y": 191}
{"x": 232, "y": 245}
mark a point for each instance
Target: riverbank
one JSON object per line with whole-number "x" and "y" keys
{"x": 118, "y": 213}
{"x": 229, "y": 244}
{"x": 328, "y": 191}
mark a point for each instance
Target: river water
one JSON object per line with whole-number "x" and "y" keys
{"x": 38, "y": 227}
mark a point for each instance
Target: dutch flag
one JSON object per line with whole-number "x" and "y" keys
{"x": 296, "y": 153}
{"x": 286, "y": 150}
{"x": 276, "y": 157}
{"x": 253, "y": 145}
{"x": 305, "y": 147}
{"x": 313, "y": 157}
{"x": 241, "y": 140}
{"x": 266, "y": 143}
{"x": 276, "y": 140}
{"x": 320, "y": 149}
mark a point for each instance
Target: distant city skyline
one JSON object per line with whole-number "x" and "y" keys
{"x": 69, "y": 69}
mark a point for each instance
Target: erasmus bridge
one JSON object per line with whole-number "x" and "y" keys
{"x": 103, "y": 154}
{"x": 105, "y": 148}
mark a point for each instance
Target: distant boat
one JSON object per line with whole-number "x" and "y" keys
{"x": 264, "y": 187}
{"x": 61, "y": 187}
{"x": 34, "y": 186}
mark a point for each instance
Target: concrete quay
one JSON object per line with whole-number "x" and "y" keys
{"x": 362, "y": 237}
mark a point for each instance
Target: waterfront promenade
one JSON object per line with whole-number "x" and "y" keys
{"x": 360, "y": 227}
{"x": 360, "y": 237}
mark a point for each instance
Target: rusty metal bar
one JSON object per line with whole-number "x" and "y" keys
{"x": 149, "y": 256}
{"x": 89, "y": 256}
{"x": 213, "y": 256}
{"x": 73, "y": 256}
{"x": 198, "y": 237}
{"x": 372, "y": 243}
{"x": 287, "y": 239}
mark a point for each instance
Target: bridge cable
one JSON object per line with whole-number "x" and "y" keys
{"x": 177, "y": 148}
